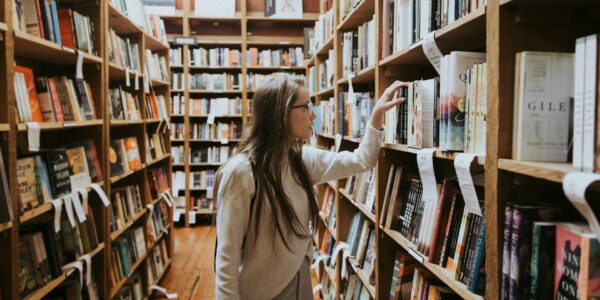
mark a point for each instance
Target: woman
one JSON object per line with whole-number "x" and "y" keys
{"x": 265, "y": 193}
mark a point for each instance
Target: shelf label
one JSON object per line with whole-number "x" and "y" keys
{"x": 57, "y": 203}
{"x": 427, "y": 173}
{"x": 319, "y": 259}
{"x": 416, "y": 255}
{"x": 68, "y": 49}
{"x": 71, "y": 268}
{"x": 338, "y": 142}
{"x": 431, "y": 50}
{"x": 127, "y": 80}
{"x": 341, "y": 246}
{"x": 574, "y": 185}
{"x": 69, "y": 124}
{"x": 192, "y": 217}
{"x": 88, "y": 268}
{"x": 284, "y": 42}
{"x": 150, "y": 207}
{"x": 79, "y": 67}
{"x": 78, "y": 207}
{"x": 462, "y": 164}
{"x": 345, "y": 263}
{"x": 185, "y": 40}
{"x": 176, "y": 216}
{"x": 33, "y": 136}
{"x": 146, "y": 84}
{"x": 160, "y": 123}
{"x": 211, "y": 119}
{"x": 136, "y": 81}
{"x": 209, "y": 193}
{"x": 69, "y": 209}
{"x": 101, "y": 194}
{"x": 317, "y": 288}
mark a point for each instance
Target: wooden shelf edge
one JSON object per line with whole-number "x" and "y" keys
{"x": 48, "y": 126}
{"x": 358, "y": 16}
{"x": 32, "y": 46}
{"x": 3, "y": 27}
{"x": 324, "y": 50}
{"x": 158, "y": 160}
{"x": 128, "y": 173}
{"x": 217, "y": 117}
{"x": 327, "y": 92}
{"x": 480, "y": 160}
{"x": 363, "y": 76}
{"x": 115, "y": 289}
{"x": 115, "y": 235}
{"x": 363, "y": 208}
{"x": 4, "y": 127}
{"x": 6, "y": 226}
{"x": 554, "y": 172}
{"x": 362, "y": 276}
{"x": 125, "y": 122}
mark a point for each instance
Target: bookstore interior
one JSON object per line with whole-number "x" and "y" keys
{"x": 116, "y": 115}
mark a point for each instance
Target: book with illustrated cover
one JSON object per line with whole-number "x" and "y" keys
{"x": 134, "y": 161}
{"x": 26, "y": 179}
{"x": 59, "y": 172}
{"x": 115, "y": 157}
{"x": 78, "y": 164}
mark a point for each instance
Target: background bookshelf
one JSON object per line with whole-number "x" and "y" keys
{"x": 248, "y": 30}
{"x": 503, "y": 28}
{"x": 91, "y": 134}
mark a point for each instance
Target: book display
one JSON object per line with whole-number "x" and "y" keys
{"x": 87, "y": 92}
{"x": 523, "y": 112}
{"x": 236, "y": 45}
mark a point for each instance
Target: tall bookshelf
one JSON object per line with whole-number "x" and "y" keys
{"x": 49, "y": 58}
{"x": 503, "y": 28}
{"x": 248, "y": 28}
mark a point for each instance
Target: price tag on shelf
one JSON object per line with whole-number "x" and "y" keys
{"x": 84, "y": 198}
{"x": 211, "y": 119}
{"x": 317, "y": 288}
{"x": 88, "y": 268}
{"x": 150, "y": 207}
{"x": 57, "y": 203}
{"x": 574, "y": 185}
{"x": 427, "y": 173}
{"x": 136, "y": 81}
{"x": 79, "y": 67}
{"x": 462, "y": 164}
{"x": 71, "y": 267}
{"x": 345, "y": 263}
{"x": 69, "y": 210}
{"x": 192, "y": 217}
{"x": 33, "y": 136}
{"x": 101, "y": 194}
{"x": 78, "y": 208}
{"x": 127, "y": 80}
{"x": 68, "y": 124}
{"x": 431, "y": 50}
{"x": 284, "y": 42}
{"x": 319, "y": 259}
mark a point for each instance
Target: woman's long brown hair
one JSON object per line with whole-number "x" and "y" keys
{"x": 270, "y": 146}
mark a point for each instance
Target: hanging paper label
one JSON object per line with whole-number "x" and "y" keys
{"x": 319, "y": 259}
{"x": 150, "y": 207}
{"x": 69, "y": 210}
{"x": 416, "y": 255}
{"x": 211, "y": 119}
{"x": 574, "y": 185}
{"x": 338, "y": 142}
{"x": 192, "y": 217}
{"x": 167, "y": 200}
{"x": 345, "y": 263}
{"x": 317, "y": 288}
{"x": 84, "y": 198}
{"x": 57, "y": 213}
{"x": 68, "y": 49}
{"x": 88, "y": 268}
{"x": 177, "y": 215}
{"x": 146, "y": 85}
{"x": 101, "y": 194}
{"x": 127, "y": 80}
{"x": 431, "y": 50}
{"x": 163, "y": 291}
{"x": 462, "y": 164}
{"x": 136, "y": 82}
{"x": 79, "y": 67}
{"x": 341, "y": 246}
{"x": 351, "y": 95}
{"x": 209, "y": 193}
{"x": 427, "y": 173}
{"x": 70, "y": 268}
{"x": 78, "y": 208}
{"x": 33, "y": 136}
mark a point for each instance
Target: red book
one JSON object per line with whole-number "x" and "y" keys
{"x": 65, "y": 21}
{"x": 34, "y": 102}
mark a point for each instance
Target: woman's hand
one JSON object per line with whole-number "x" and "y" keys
{"x": 385, "y": 103}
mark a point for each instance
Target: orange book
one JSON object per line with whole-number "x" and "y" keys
{"x": 133, "y": 155}
{"x": 65, "y": 21}
{"x": 34, "y": 102}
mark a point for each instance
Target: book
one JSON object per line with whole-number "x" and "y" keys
{"x": 26, "y": 180}
{"x": 542, "y": 259}
{"x": 290, "y": 9}
{"x": 115, "y": 157}
{"x": 134, "y": 161}
{"x": 6, "y": 210}
{"x": 213, "y": 9}
{"x": 59, "y": 172}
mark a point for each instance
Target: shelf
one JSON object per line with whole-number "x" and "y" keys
{"x": 159, "y": 83}
{"x": 50, "y": 126}
{"x": 361, "y": 206}
{"x": 324, "y": 50}
{"x": 120, "y": 23}
{"x": 214, "y": 141}
{"x": 160, "y": 237}
{"x": 215, "y": 92}
{"x": 158, "y": 160}
{"x": 439, "y": 272}
{"x": 326, "y": 136}
{"x": 364, "y": 12}
{"x": 6, "y": 226}
{"x": 204, "y": 165}
{"x": 4, "y": 127}
{"x": 480, "y": 160}
{"x": 118, "y": 123}
{"x": 115, "y": 289}
{"x": 118, "y": 178}
{"x": 177, "y": 165}
{"x": 115, "y": 235}
{"x": 218, "y": 68}
{"x": 219, "y": 40}
{"x": 554, "y": 3}
{"x": 311, "y": 61}
{"x": 117, "y": 72}
{"x": 277, "y": 42}
{"x": 3, "y": 27}
{"x": 176, "y": 66}
{"x": 153, "y": 43}
{"x": 34, "y": 213}
{"x": 366, "y": 75}
{"x": 218, "y": 117}
{"x": 260, "y": 17}
{"x": 152, "y": 121}
{"x": 467, "y": 33}
{"x": 362, "y": 275}
{"x": 206, "y": 211}
{"x": 177, "y": 91}
{"x": 165, "y": 268}
{"x": 554, "y": 172}
{"x": 327, "y": 92}
{"x": 36, "y": 48}
{"x": 293, "y": 68}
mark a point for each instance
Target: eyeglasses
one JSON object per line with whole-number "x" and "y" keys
{"x": 308, "y": 106}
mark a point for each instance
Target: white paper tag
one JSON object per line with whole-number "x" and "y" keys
{"x": 88, "y": 268}
{"x": 69, "y": 210}
{"x": 70, "y": 268}
{"x": 345, "y": 263}
{"x": 338, "y": 142}
{"x": 209, "y": 193}
{"x": 146, "y": 85}
{"x": 351, "y": 95}
{"x": 57, "y": 203}
{"x": 166, "y": 126}
{"x": 136, "y": 82}
{"x": 341, "y": 246}
{"x": 84, "y": 198}
{"x": 224, "y": 141}
{"x": 176, "y": 215}
{"x": 574, "y": 185}
{"x": 167, "y": 200}
{"x": 192, "y": 217}
{"x": 427, "y": 173}
{"x": 416, "y": 255}
{"x": 101, "y": 194}
{"x": 319, "y": 259}
{"x": 462, "y": 164}
{"x": 33, "y": 136}
{"x": 78, "y": 207}
{"x": 160, "y": 123}
{"x": 431, "y": 50}
{"x": 79, "y": 67}
{"x": 211, "y": 119}
{"x": 163, "y": 291}
{"x": 127, "y": 80}
{"x": 317, "y": 288}
{"x": 68, "y": 49}
{"x": 150, "y": 208}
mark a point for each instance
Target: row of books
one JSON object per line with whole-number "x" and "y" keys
{"x": 362, "y": 188}
{"x": 215, "y": 106}
{"x": 358, "y": 50}
{"x": 324, "y": 30}
{"x": 177, "y": 131}
{"x": 133, "y": 289}
{"x": 211, "y": 155}
{"x": 56, "y": 173}
{"x": 124, "y": 52}
{"x": 406, "y": 22}
{"x": 136, "y": 12}
{"x": 156, "y": 66}
{"x": 177, "y": 155}
{"x": 292, "y": 57}
{"x": 324, "y": 122}
{"x": 355, "y": 115}
{"x": 218, "y": 131}
{"x": 126, "y": 251}
{"x": 328, "y": 212}
{"x": 327, "y": 72}
{"x": 202, "y": 203}
{"x": 156, "y": 106}
{"x": 202, "y": 179}
{"x": 158, "y": 181}
{"x": 158, "y": 222}
{"x": 72, "y": 286}
{"x": 346, "y": 7}
{"x": 312, "y": 80}
{"x": 124, "y": 156}
{"x": 411, "y": 282}
{"x": 126, "y": 204}
{"x": 361, "y": 240}
{"x": 62, "y": 25}
{"x": 158, "y": 258}
{"x": 356, "y": 289}
{"x": 214, "y": 82}
{"x": 123, "y": 104}
{"x": 52, "y": 99}
{"x": 155, "y": 146}
{"x": 215, "y": 57}
{"x": 176, "y": 56}
{"x": 43, "y": 252}
{"x": 6, "y": 211}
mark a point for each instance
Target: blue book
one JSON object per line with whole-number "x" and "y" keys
{"x": 55, "y": 25}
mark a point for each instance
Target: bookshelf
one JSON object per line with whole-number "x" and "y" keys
{"x": 503, "y": 28}
{"x": 47, "y": 58}
{"x": 247, "y": 29}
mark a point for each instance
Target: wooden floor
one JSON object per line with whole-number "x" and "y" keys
{"x": 193, "y": 261}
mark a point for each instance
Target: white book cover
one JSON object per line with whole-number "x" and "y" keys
{"x": 589, "y": 100}
{"x": 578, "y": 104}
{"x": 212, "y": 8}
{"x": 283, "y": 9}
{"x": 543, "y": 99}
